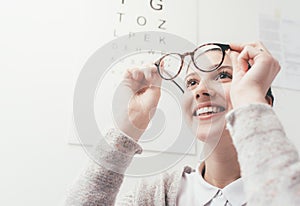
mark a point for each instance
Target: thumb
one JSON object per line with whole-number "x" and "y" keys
{"x": 153, "y": 77}
{"x": 237, "y": 71}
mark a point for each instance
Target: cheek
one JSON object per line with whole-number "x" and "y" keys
{"x": 187, "y": 106}
{"x": 227, "y": 97}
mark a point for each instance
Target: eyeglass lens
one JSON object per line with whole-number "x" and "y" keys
{"x": 205, "y": 58}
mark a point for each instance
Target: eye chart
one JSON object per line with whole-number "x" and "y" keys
{"x": 127, "y": 17}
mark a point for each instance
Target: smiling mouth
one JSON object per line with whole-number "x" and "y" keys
{"x": 203, "y": 111}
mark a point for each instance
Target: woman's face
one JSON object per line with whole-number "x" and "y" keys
{"x": 207, "y": 99}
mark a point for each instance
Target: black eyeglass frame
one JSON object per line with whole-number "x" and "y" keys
{"x": 224, "y": 48}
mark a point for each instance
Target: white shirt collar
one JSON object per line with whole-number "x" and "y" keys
{"x": 234, "y": 192}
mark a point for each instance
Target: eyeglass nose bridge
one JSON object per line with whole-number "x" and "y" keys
{"x": 187, "y": 54}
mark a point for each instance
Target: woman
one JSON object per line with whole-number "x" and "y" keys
{"x": 253, "y": 146}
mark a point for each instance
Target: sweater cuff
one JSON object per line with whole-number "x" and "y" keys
{"x": 115, "y": 151}
{"x": 246, "y": 121}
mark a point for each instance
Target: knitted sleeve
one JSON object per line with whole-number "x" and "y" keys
{"x": 100, "y": 182}
{"x": 269, "y": 161}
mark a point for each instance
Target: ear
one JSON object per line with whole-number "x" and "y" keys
{"x": 269, "y": 100}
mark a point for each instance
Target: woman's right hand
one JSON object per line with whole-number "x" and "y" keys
{"x": 136, "y": 100}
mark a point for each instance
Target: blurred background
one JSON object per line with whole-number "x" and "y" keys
{"x": 45, "y": 44}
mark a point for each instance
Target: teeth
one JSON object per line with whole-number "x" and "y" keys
{"x": 204, "y": 110}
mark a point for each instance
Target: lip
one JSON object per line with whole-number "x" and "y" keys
{"x": 208, "y": 116}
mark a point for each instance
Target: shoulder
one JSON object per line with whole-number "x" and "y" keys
{"x": 165, "y": 181}
{"x": 160, "y": 188}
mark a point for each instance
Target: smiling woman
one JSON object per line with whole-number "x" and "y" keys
{"x": 227, "y": 106}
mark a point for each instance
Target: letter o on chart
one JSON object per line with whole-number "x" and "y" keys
{"x": 141, "y": 21}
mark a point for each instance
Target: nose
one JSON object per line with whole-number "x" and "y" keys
{"x": 204, "y": 90}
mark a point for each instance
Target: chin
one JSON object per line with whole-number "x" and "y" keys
{"x": 209, "y": 133}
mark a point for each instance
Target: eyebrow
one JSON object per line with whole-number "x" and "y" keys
{"x": 221, "y": 67}
{"x": 190, "y": 74}
{"x": 225, "y": 67}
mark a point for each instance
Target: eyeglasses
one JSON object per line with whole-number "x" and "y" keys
{"x": 207, "y": 58}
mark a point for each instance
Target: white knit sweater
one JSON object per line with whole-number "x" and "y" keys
{"x": 269, "y": 164}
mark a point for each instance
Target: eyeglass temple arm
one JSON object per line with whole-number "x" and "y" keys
{"x": 157, "y": 65}
{"x": 177, "y": 85}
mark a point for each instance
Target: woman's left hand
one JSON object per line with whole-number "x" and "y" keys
{"x": 251, "y": 85}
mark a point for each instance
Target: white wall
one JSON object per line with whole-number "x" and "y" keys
{"x": 237, "y": 21}
{"x": 39, "y": 65}
{"x": 38, "y": 45}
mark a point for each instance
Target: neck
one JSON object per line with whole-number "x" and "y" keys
{"x": 222, "y": 167}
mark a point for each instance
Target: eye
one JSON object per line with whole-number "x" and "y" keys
{"x": 224, "y": 76}
{"x": 191, "y": 83}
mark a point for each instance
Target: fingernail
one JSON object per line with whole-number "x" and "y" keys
{"x": 149, "y": 75}
{"x": 134, "y": 75}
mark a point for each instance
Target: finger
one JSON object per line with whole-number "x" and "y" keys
{"x": 137, "y": 74}
{"x": 148, "y": 73}
{"x": 159, "y": 65}
{"x": 239, "y": 47}
{"x": 157, "y": 80}
{"x": 248, "y": 55}
{"x": 235, "y": 65}
{"x": 162, "y": 65}
{"x": 127, "y": 74}
{"x": 262, "y": 48}
{"x": 236, "y": 47}
{"x": 152, "y": 76}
